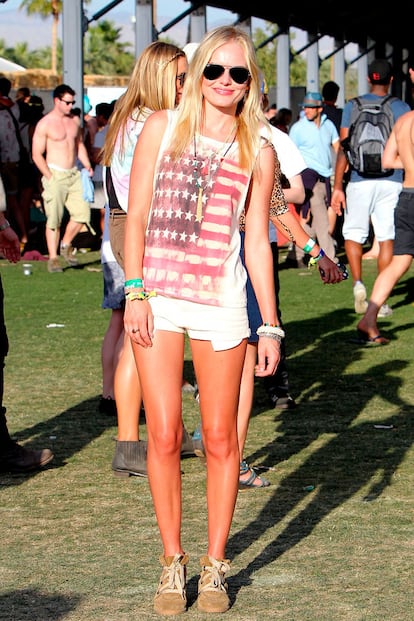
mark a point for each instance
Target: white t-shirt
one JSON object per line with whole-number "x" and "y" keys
{"x": 106, "y": 249}
{"x": 98, "y": 143}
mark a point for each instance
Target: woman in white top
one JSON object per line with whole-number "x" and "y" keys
{"x": 194, "y": 172}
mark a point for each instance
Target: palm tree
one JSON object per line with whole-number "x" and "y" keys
{"x": 46, "y": 8}
{"x": 105, "y": 54}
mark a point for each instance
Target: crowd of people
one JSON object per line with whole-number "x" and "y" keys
{"x": 193, "y": 176}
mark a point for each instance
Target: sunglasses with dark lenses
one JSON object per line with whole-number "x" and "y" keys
{"x": 181, "y": 78}
{"x": 240, "y": 75}
{"x": 68, "y": 103}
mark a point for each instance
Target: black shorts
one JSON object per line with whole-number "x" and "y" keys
{"x": 404, "y": 223}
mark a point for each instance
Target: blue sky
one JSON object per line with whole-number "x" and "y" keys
{"x": 16, "y": 27}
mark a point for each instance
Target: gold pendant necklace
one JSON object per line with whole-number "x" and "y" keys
{"x": 198, "y": 177}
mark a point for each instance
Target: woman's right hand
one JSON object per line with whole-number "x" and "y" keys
{"x": 139, "y": 322}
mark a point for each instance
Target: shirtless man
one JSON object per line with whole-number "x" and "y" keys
{"x": 57, "y": 142}
{"x": 398, "y": 153}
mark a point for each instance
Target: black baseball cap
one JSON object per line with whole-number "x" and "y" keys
{"x": 380, "y": 71}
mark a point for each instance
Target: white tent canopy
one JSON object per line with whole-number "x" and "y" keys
{"x": 8, "y": 65}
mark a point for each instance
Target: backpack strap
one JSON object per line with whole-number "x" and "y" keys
{"x": 386, "y": 98}
{"x": 358, "y": 102}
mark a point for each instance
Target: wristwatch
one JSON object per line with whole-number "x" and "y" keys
{"x": 5, "y": 225}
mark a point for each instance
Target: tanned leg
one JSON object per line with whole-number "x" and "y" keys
{"x": 384, "y": 284}
{"x": 218, "y": 377}
{"x": 354, "y": 255}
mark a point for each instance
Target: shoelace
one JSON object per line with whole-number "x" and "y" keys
{"x": 213, "y": 576}
{"x": 172, "y": 577}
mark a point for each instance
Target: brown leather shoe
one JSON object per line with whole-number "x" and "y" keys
{"x": 54, "y": 266}
{"x": 67, "y": 253}
{"x": 16, "y": 458}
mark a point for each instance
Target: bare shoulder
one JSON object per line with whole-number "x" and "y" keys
{"x": 403, "y": 129}
{"x": 266, "y": 162}
{"x": 267, "y": 150}
{"x": 42, "y": 123}
{"x": 405, "y": 119}
{"x": 46, "y": 121}
{"x": 74, "y": 119}
{"x": 41, "y": 130}
{"x": 156, "y": 122}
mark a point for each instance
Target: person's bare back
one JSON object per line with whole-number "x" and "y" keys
{"x": 399, "y": 150}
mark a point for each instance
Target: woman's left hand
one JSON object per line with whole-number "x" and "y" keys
{"x": 268, "y": 356}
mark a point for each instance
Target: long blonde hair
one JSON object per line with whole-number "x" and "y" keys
{"x": 152, "y": 87}
{"x": 190, "y": 110}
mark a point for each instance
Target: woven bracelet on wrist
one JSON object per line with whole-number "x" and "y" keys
{"x": 267, "y": 330}
{"x": 313, "y": 260}
{"x": 141, "y": 295}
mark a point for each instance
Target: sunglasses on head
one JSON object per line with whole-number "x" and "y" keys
{"x": 240, "y": 75}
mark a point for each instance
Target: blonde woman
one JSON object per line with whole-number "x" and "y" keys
{"x": 194, "y": 171}
{"x": 156, "y": 83}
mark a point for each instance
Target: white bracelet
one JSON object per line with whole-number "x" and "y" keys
{"x": 265, "y": 330}
{"x": 270, "y": 335}
{"x": 5, "y": 225}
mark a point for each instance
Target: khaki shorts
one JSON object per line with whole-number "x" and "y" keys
{"x": 64, "y": 189}
{"x": 116, "y": 226}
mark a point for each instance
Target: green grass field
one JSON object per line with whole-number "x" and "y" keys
{"x": 331, "y": 539}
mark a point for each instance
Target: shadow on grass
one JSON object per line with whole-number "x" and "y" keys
{"x": 354, "y": 454}
{"x": 90, "y": 263}
{"x": 21, "y": 605}
{"x": 403, "y": 287}
{"x": 66, "y": 434}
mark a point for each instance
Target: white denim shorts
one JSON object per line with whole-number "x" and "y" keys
{"x": 371, "y": 200}
{"x": 224, "y": 327}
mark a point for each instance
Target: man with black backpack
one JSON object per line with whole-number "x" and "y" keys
{"x": 372, "y": 191}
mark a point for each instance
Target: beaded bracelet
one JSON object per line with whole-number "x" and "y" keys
{"x": 271, "y": 331}
{"x": 134, "y": 283}
{"x": 313, "y": 260}
{"x": 272, "y": 325}
{"x": 141, "y": 295}
{"x": 309, "y": 245}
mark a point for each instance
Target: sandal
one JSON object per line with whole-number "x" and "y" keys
{"x": 253, "y": 480}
